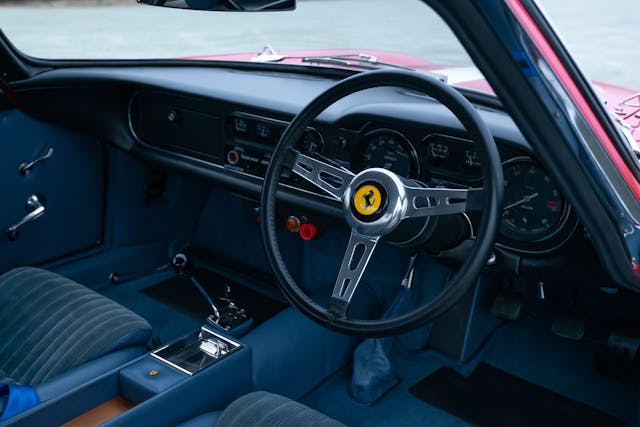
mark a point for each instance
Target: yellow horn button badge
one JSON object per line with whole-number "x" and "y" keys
{"x": 367, "y": 200}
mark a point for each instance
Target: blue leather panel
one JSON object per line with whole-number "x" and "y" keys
{"x": 50, "y": 325}
{"x": 137, "y": 385}
{"x": 291, "y": 343}
{"x": 205, "y": 420}
{"x": 87, "y": 372}
{"x": 71, "y": 184}
{"x": 227, "y": 226}
{"x": 209, "y": 390}
{"x": 261, "y": 409}
{"x": 136, "y": 220}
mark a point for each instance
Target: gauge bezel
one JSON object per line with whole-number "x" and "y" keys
{"x": 321, "y": 142}
{"x": 550, "y": 241}
{"x": 365, "y": 141}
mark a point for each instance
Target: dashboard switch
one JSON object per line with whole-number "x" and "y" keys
{"x": 173, "y": 116}
{"x": 233, "y": 157}
{"x": 293, "y": 224}
{"x": 308, "y": 231}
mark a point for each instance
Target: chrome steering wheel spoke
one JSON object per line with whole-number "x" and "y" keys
{"x": 354, "y": 263}
{"x": 422, "y": 201}
{"x": 331, "y": 179}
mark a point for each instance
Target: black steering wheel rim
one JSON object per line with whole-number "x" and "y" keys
{"x": 470, "y": 270}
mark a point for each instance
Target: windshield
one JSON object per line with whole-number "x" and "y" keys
{"x": 122, "y": 29}
{"x": 94, "y": 29}
{"x": 357, "y": 34}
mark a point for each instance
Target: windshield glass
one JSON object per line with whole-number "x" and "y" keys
{"x": 403, "y": 32}
{"x": 94, "y": 29}
{"x": 358, "y": 34}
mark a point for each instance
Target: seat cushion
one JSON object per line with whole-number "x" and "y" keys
{"x": 50, "y": 324}
{"x": 262, "y": 409}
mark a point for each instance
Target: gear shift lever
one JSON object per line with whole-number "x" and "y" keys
{"x": 183, "y": 266}
{"x": 226, "y": 316}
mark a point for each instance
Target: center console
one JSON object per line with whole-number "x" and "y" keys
{"x": 201, "y": 372}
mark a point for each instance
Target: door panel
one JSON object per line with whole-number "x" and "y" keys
{"x": 70, "y": 184}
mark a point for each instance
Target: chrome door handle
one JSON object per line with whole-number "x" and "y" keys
{"x": 45, "y": 153}
{"x": 35, "y": 209}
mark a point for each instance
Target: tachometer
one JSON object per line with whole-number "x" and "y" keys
{"x": 390, "y": 150}
{"x": 533, "y": 205}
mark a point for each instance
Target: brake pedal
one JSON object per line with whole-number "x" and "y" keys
{"x": 569, "y": 327}
{"x": 507, "y": 305}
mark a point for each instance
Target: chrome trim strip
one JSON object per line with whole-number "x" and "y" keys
{"x": 173, "y": 365}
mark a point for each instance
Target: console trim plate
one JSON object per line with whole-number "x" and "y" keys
{"x": 233, "y": 347}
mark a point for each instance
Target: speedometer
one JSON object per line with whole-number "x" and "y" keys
{"x": 533, "y": 208}
{"x": 390, "y": 150}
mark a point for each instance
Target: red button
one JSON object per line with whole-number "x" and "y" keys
{"x": 308, "y": 231}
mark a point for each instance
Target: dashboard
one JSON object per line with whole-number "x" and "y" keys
{"x": 239, "y": 140}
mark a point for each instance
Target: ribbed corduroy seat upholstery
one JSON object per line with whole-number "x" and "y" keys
{"x": 263, "y": 409}
{"x": 50, "y": 325}
{"x": 4, "y": 379}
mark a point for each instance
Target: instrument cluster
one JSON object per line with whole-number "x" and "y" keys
{"x": 535, "y": 219}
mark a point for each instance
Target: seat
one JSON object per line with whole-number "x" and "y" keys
{"x": 56, "y": 334}
{"x": 262, "y": 409}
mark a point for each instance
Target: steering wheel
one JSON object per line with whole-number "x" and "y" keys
{"x": 375, "y": 201}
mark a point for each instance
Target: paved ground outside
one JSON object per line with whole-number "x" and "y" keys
{"x": 600, "y": 34}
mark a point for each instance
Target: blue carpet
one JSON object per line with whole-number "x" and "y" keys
{"x": 167, "y": 322}
{"x": 530, "y": 350}
{"x": 524, "y": 349}
{"x": 397, "y": 408}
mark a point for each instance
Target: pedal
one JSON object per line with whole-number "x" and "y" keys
{"x": 569, "y": 327}
{"x": 507, "y": 305}
{"x": 619, "y": 359}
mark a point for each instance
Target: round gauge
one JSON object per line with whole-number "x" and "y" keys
{"x": 311, "y": 142}
{"x": 390, "y": 150}
{"x": 533, "y": 206}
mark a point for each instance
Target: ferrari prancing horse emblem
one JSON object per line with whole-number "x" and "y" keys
{"x": 367, "y": 200}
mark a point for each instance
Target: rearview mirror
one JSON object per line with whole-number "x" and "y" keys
{"x": 225, "y": 5}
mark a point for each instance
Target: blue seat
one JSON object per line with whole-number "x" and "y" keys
{"x": 56, "y": 334}
{"x": 262, "y": 409}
